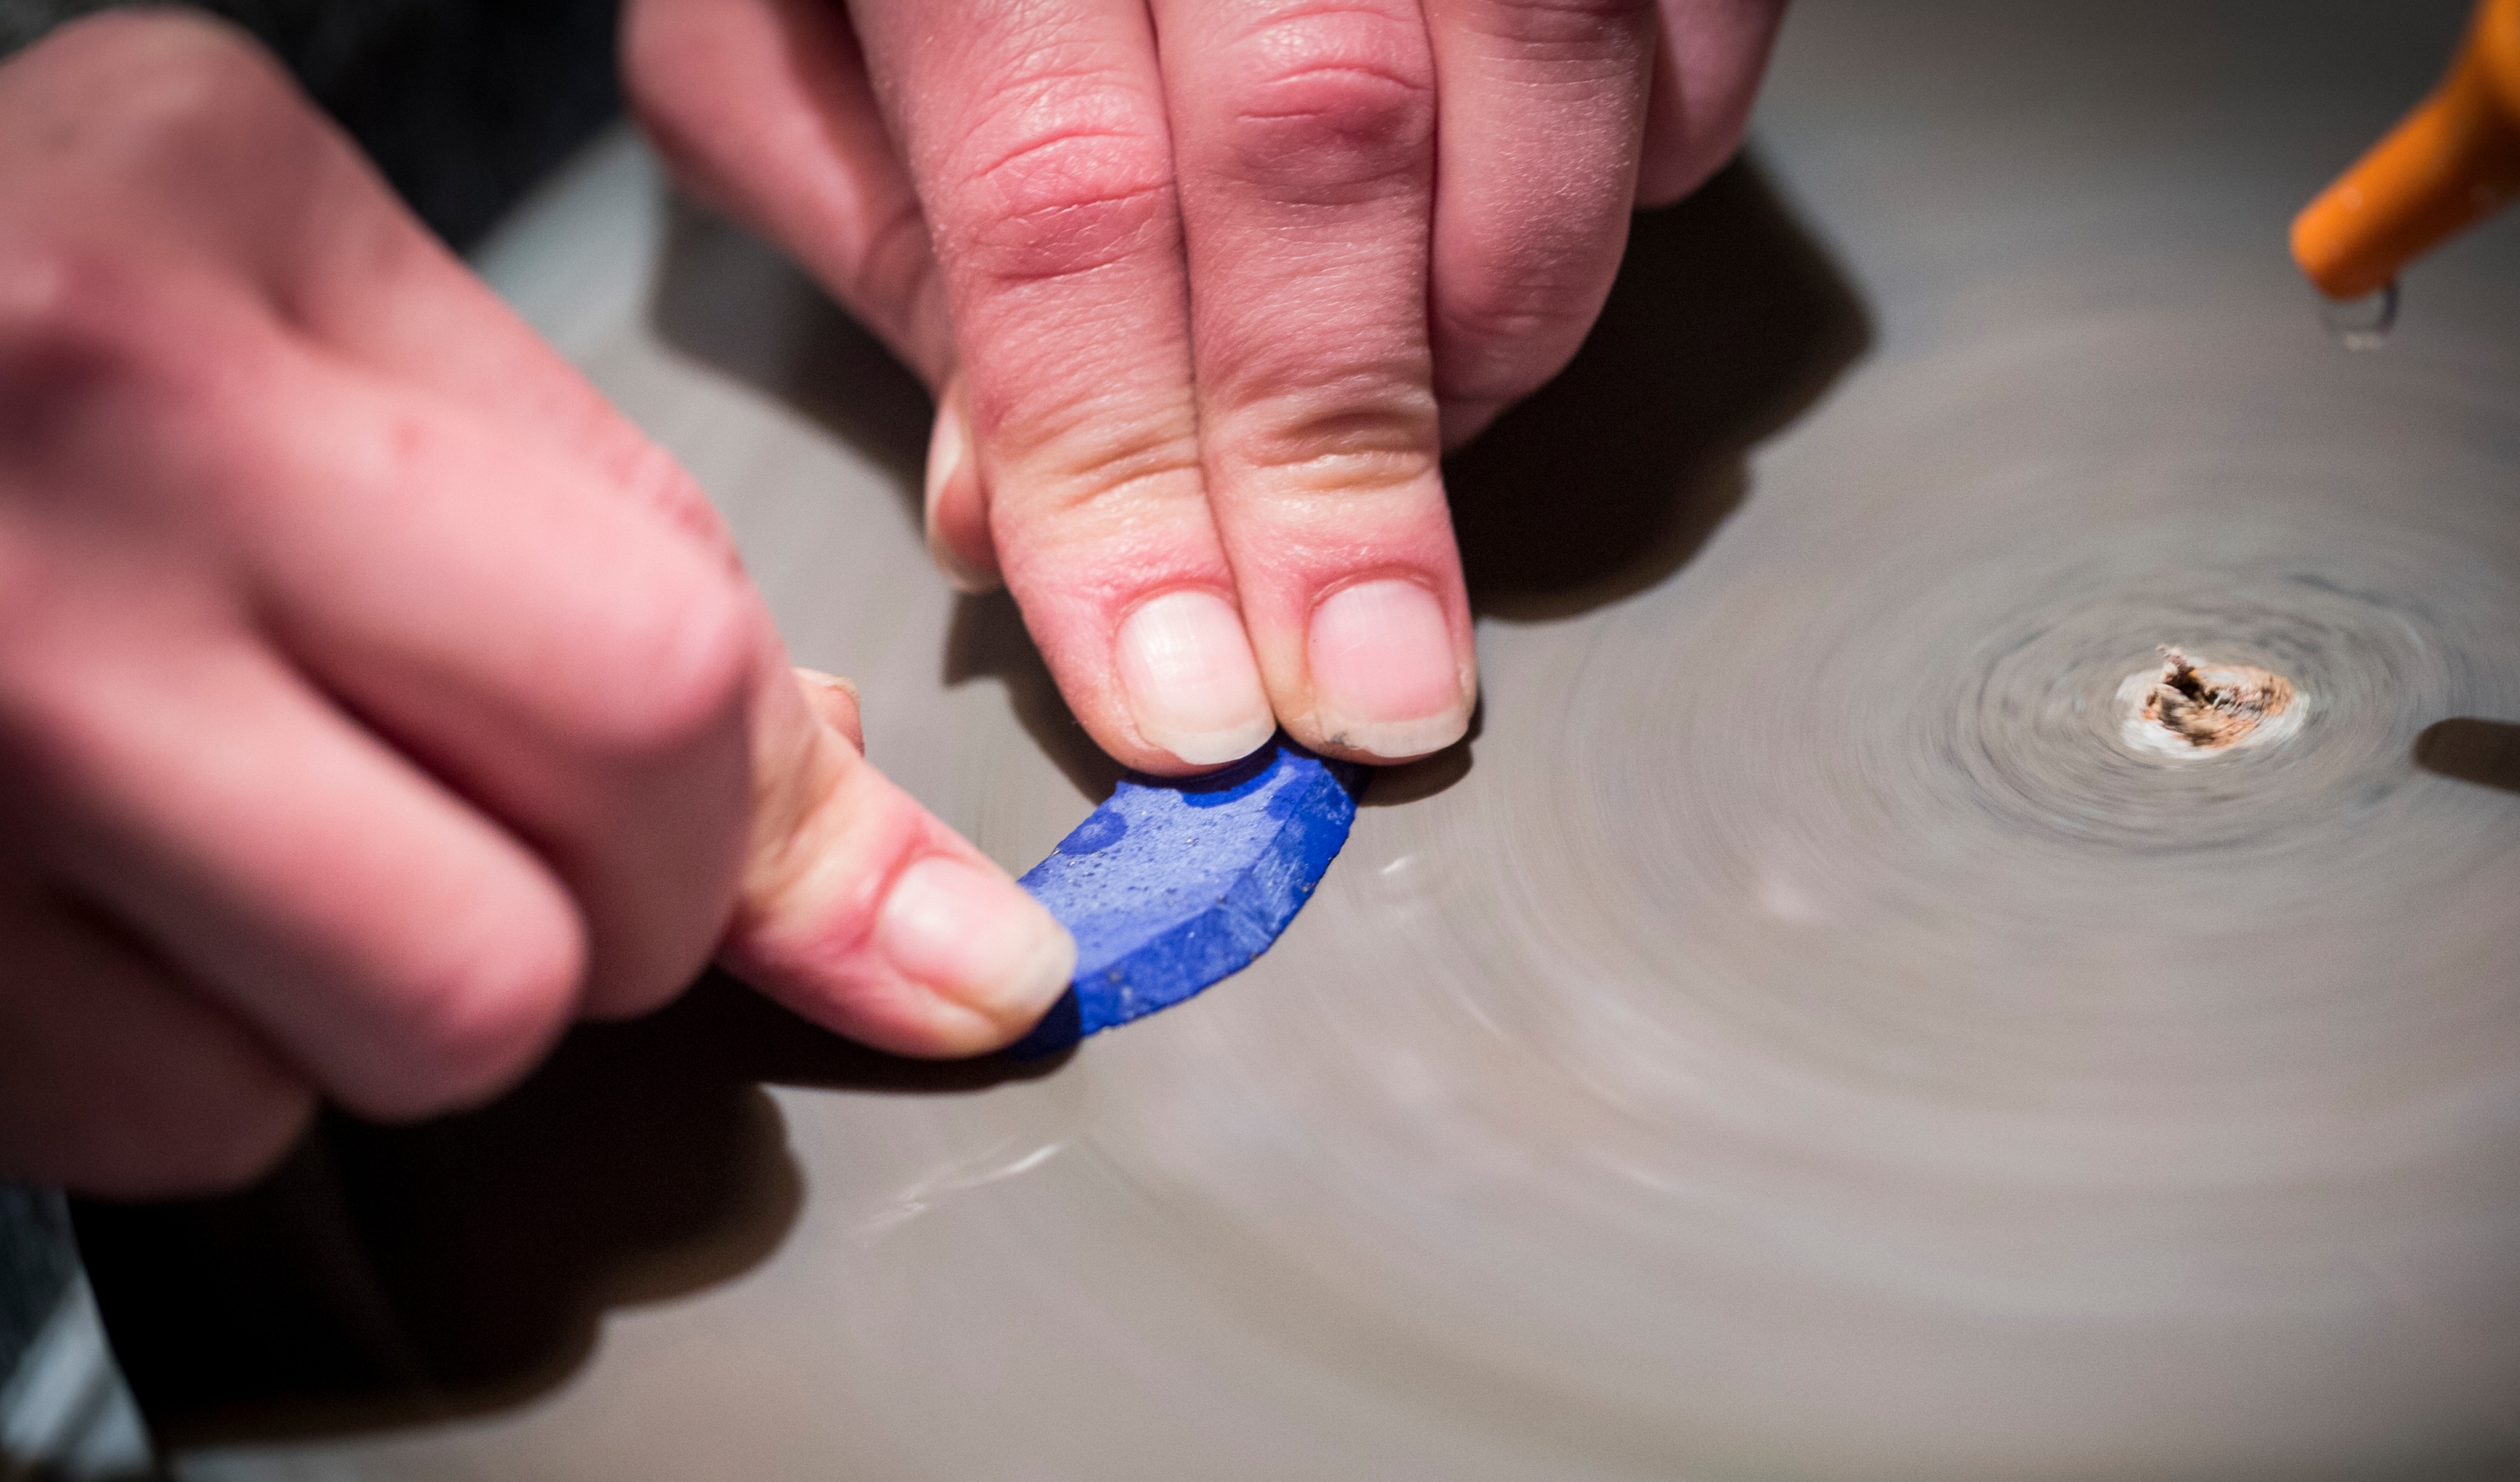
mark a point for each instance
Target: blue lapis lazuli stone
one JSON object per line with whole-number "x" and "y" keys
{"x": 1173, "y": 885}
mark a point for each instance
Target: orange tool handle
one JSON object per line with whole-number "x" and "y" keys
{"x": 2452, "y": 162}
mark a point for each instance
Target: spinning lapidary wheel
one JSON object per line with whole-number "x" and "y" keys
{"x": 1808, "y": 1033}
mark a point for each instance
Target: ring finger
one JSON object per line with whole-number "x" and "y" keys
{"x": 1542, "y": 114}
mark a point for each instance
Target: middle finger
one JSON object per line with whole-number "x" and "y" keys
{"x": 1304, "y": 145}
{"x": 1036, "y": 135}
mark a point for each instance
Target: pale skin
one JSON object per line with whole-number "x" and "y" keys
{"x": 1205, "y": 287}
{"x": 375, "y": 699}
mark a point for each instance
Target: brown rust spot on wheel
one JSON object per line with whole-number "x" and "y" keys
{"x": 2210, "y": 706}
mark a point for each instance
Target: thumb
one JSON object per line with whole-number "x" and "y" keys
{"x": 861, "y": 911}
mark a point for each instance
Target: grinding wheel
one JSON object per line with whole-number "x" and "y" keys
{"x": 1798, "y": 1036}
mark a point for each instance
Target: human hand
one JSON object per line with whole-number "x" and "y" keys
{"x": 1212, "y": 285}
{"x": 374, "y": 698}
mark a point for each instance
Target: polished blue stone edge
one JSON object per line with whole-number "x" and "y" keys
{"x": 1173, "y": 885}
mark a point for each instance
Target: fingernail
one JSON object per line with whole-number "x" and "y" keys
{"x": 976, "y": 938}
{"x": 846, "y": 686}
{"x": 950, "y": 472}
{"x": 1384, "y": 679}
{"x": 1192, "y": 688}
{"x": 837, "y": 703}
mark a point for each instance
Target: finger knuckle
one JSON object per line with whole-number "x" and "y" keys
{"x": 1080, "y": 457}
{"x": 1063, "y": 174}
{"x": 76, "y": 371}
{"x": 1517, "y": 311}
{"x": 678, "y": 666}
{"x": 475, "y": 1028}
{"x": 184, "y": 85}
{"x": 1372, "y": 438}
{"x": 121, "y": 38}
{"x": 651, "y": 478}
{"x": 1526, "y": 290}
{"x": 1567, "y": 29}
{"x": 67, "y": 329}
{"x": 1503, "y": 332}
{"x": 1330, "y": 99}
{"x": 96, "y": 340}
{"x": 1493, "y": 372}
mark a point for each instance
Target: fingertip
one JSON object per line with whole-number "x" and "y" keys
{"x": 987, "y": 952}
{"x": 834, "y": 701}
{"x": 1388, "y": 682}
{"x": 954, "y": 960}
{"x": 865, "y": 915}
{"x": 1189, "y": 680}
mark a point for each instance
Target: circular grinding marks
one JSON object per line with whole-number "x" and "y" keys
{"x": 1799, "y": 1037}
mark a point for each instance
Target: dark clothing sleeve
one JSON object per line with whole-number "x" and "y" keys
{"x": 463, "y": 104}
